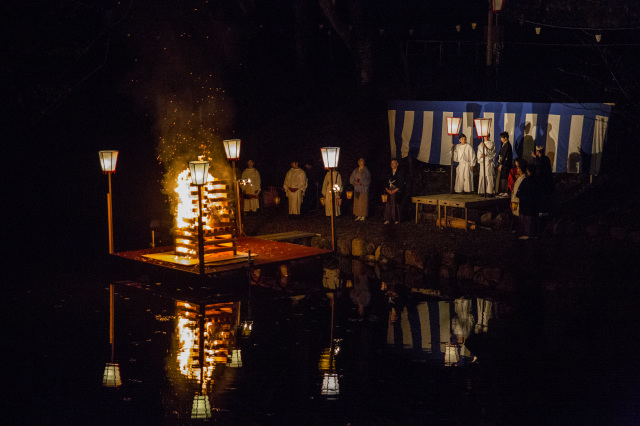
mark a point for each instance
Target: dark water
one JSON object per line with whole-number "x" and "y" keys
{"x": 405, "y": 351}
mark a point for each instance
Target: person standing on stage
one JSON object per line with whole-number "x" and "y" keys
{"x": 251, "y": 188}
{"x": 327, "y": 194}
{"x": 295, "y": 183}
{"x": 394, "y": 186}
{"x": 486, "y": 154}
{"x": 505, "y": 159}
{"x": 360, "y": 179}
{"x": 466, "y": 159}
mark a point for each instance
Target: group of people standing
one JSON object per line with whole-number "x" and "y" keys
{"x": 530, "y": 184}
{"x": 296, "y": 183}
{"x": 466, "y": 158}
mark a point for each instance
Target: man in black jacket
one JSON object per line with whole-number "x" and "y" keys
{"x": 505, "y": 161}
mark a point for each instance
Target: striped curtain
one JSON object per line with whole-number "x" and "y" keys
{"x": 573, "y": 134}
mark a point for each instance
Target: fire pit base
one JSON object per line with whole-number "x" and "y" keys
{"x": 224, "y": 258}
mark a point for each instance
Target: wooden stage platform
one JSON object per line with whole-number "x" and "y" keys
{"x": 263, "y": 252}
{"x": 463, "y": 201}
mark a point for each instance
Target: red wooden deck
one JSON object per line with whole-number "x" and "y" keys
{"x": 265, "y": 252}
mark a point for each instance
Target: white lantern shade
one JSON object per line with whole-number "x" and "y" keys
{"x": 199, "y": 172}
{"x": 108, "y": 160}
{"x": 201, "y": 408}
{"x": 498, "y": 5}
{"x": 235, "y": 359}
{"x": 232, "y": 149}
{"x": 330, "y": 157}
{"x": 111, "y": 377}
{"x": 483, "y": 127}
{"x": 453, "y": 125}
{"x": 330, "y": 385}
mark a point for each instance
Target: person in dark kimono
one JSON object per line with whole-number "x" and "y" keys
{"x": 505, "y": 159}
{"x": 394, "y": 187}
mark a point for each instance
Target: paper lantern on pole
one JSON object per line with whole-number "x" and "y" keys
{"x": 108, "y": 160}
{"x": 453, "y": 125}
{"x": 598, "y": 37}
{"x": 538, "y": 29}
{"x": 201, "y": 408}
{"x": 199, "y": 172}
{"x": 483, "y": 127}
{"x": 498, "y": 5}
{"x": 330, "y": 157}
{"x": 232, "y": 149}
{"x": 111, "y": 377}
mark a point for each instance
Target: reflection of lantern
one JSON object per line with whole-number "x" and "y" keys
{"x": 598, "y": 37}
{"x": 348, "y": 284}
{"x": 450, "y": 354}
{"x": 235, "y": 360}
{"x": 246, "y": 327}
{"x": 384, "y": 198}
{"x": 473, "y": 25}
{"x": 322, "y": 200}
{"x": 201, "y": 408}
{"x": 276, "y": 200}
{"x": 498, "y": 5}
{"x": 330, "y": 384}
{"x": 349, "y": 195}
{"x": 111, "y": 377}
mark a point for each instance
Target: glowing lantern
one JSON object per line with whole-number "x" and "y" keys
{"x": 453, "y": 125}
{"x": 108, "y": 160}
{"x": 598, "y": 37}
{"x": 330, "y": 385}
{"x": 232, "y": 149}
{"x": 538, "y": 29}
{"x": 498, "y": 5}
{"x": 483, "y": 127}
{"x": 330, "y": 157}
{"x": 384, "y": 197}
{"x": 458, "y": 28}
{"x": 111, "y": 377}
{"x": 349, "y": 194}
{"x": 199, "y": 172}
{"x": 201, "y": 408}
{"x": 473, "y": 25}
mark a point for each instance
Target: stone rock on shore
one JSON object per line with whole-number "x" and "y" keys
{"x": 344, "y": 246}
{"x": 358, "y": 247}
{"x": 414, "y": 259}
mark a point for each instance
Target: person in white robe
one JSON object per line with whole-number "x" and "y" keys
{"x": 466, "y": 158}
{"x": 326, "y": 192}
{"x": 486, "y": 156}
{"x": 251, "y": 187}
{"x": 295, "y": 184}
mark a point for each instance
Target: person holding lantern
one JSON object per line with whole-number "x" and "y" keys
{"x": 327, "y": 193}
{"x": 486, "y": 154}
{"x": 360, "y": 179}
{"x": 295, "y": 184}
{"x": 466, "y": 159}
{"x": 251, "y": 187}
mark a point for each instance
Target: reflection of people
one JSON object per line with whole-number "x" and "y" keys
{"x": 326, "y": 192}
{"x": 295, "y": 183}
{"x": 505, "y": 158}
{"x": 360, "y": 179}
{"x": 393, "y": 188}
{"x": 466, "y": 158}
{"x": 251, "y": 187}
{"x": 486, "y": 154}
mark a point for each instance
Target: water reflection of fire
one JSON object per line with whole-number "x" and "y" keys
{"x": 217, "y": 215}
{"x": 215, "y": 331}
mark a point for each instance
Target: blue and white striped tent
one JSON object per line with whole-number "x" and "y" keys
{"x": 573, "y": 134}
